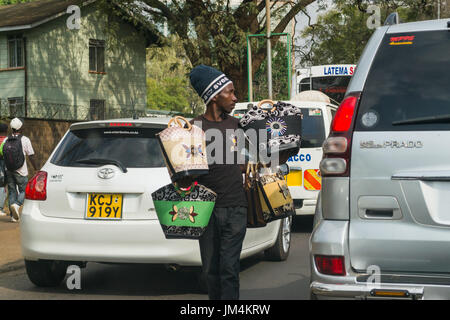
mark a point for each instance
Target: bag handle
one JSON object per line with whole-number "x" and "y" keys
{"x": 271, "y": 102}
{"x": 178, "y": 122}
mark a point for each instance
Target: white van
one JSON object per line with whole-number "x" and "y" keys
{"x": 304, "y": 179}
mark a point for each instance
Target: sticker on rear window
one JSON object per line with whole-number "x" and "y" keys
{"x": 369, "y": 119}
{"x": 315, "y": 112}
{"x": 403, "y": 40}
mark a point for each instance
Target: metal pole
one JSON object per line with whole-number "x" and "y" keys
{"x": 269, "y": 51}
{"x": 439, "y": 9}
{"x": 249, "y": 70}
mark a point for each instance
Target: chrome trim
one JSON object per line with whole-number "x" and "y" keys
{"x": 362, "y": 291}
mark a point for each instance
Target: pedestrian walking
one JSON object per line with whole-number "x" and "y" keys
{"x": 15, "y": 149}
{"x": 221, "y": 244}
{"x": 3, "y": 133}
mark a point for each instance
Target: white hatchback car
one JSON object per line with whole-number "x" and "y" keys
{"x": 120, "y": 161}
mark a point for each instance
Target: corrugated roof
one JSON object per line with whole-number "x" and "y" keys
{"x": 32, "y": 12}
{"x": 29, "y": 14}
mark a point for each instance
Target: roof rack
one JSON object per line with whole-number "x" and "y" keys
{"x": 392, "y": 19}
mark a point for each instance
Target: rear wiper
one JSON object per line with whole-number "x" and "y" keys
{"x": 104, "y": 161}
{"x": 424, "y": 120}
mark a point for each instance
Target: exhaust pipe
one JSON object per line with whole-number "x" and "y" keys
{"x": 172, "y": 267}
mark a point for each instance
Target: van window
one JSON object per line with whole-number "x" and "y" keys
{"x": 313, "y": 128}
{"x": 408, "y": 84}
{"x": 133, "y": 147}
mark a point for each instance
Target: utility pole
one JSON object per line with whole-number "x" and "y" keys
{"x": 439, "y": 9}
{"x": 269, "y": 51}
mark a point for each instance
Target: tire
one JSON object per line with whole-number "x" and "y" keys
{"x": 46, "y": 273}
{"x": 280, "y": 250}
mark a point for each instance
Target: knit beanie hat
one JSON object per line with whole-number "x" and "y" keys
{"x": 208, "y": 82}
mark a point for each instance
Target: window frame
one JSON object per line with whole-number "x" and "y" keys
{"x": 94, "y": 113}
{"x": 13, "y": 103}
{"x": 13, "y": 40}
{"x": 96, "y": 44}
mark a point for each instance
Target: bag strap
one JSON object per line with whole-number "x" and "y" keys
{"x": 271, "y": 102}
{"x": 179, "y": 123}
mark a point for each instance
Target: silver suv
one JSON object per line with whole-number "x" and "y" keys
{"x": 383, "y": 220}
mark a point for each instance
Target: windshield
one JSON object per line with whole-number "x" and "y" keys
{"x": 408, "y": 85}
{"x": 334, "y": 87}
{"x": 131, "y": 147}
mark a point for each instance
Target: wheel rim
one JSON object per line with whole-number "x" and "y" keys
{"x": 286, "y": 233}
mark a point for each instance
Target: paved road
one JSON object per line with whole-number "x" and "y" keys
{"x": 260, "y": 279}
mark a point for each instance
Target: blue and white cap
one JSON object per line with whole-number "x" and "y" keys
{"x": 208, "y": 82}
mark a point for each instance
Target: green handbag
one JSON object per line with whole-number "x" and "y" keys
{"x": 184, "y": 214}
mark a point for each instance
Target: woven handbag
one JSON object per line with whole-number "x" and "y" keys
{"x": 184, "y": 149}
{"x": 184, "y": 213}
{"x": 283, "y": 124}
{"x": 276, "y": 200}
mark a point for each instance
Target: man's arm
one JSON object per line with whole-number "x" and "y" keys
{"x": 33, "y": 162}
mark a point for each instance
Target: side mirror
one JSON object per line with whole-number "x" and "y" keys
{"x": 284, "y": 168}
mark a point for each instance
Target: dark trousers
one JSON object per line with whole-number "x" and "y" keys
{"x": 220, "y": 248}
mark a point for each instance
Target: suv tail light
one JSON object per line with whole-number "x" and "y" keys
{"x": 336, "y": 148}
{"x": 37, "y": 187}
{"x": 332, "y": 265}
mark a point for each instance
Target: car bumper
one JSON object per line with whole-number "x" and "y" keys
{"x": 133, "y": 241}
{"x": 331, "y": 238}
{"x": 308, "y": 207}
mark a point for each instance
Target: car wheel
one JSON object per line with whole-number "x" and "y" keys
{"x": 280, "y": 250}
{"x": 46, "y": 273}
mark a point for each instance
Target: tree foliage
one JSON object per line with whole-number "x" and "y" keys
{"x": 214, "y": 32}
{"x": 341, "y": 34}
{"x": 6, "y": 2}
{"x": 168, "y": 85}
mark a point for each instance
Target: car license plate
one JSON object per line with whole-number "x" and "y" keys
{"x": 105, "y": 206}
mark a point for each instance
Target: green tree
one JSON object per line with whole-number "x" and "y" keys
{"x": 341, "y": 34}
{"x": 214, "y": 32}
{"x": 279, "y": 76}
{"x": 168, "y": 86}
{"x": 6, "y": 2}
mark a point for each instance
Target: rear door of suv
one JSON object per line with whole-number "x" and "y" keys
{"x": 400, "y": 158}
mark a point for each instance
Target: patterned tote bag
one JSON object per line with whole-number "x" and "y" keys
{"x": 183, "y": 148}
{"x": 184, "y": 213}
{"x": 283, "y": 124}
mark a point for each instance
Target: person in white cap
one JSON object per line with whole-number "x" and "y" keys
{"x": 14, "y": 149}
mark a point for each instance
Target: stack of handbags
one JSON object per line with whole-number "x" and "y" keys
{"x": 184, "y": 213}
{"x": 283, "y": 124}
{"x": 268, "y": 196}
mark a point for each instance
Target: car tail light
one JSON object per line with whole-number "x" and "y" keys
{"x": 331, "y": 265}
{"x": 37, "y": 187}
{"x": 336, "y": 148}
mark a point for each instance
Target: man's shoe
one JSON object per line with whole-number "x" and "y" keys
{"x": 15, "y": 211}
{"x": 14, "y": 220}
{"x": 3, "y": 214}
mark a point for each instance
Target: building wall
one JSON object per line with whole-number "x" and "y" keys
{"x": 59, "y": 83}
{"x": 11, "y": 82}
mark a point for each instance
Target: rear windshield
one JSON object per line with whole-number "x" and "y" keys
{"x": 132, "y": 147}
{"x": 408, "y": 85}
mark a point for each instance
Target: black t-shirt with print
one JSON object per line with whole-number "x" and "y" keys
{"x": 224, "y": 177}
